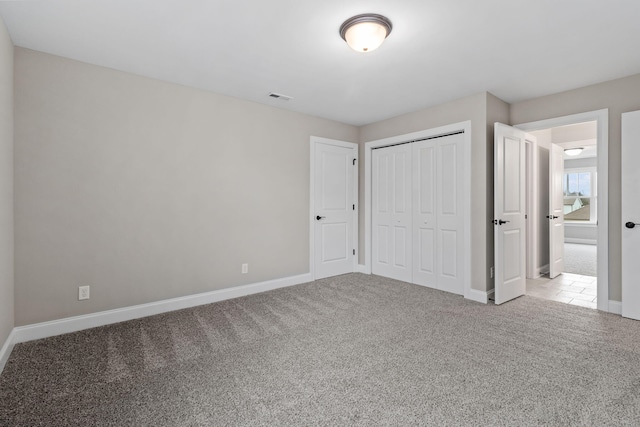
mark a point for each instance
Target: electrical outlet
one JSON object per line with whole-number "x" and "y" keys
{"x": 83, "y": 292}
{"x": 245, "y": 268}
{"x": 492, "y": 272}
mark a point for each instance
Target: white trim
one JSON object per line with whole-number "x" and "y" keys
{"x": 78, "y": 323}
{"x": 360, "y": 268}
{"x": 479, "y": 296}
{"x": 313, "y": 140}
{"x": 7, "y": 347}
{"x": 580, "y": 241}
{"x": 602, "y": 118}
{"x": 532, "y": 204}
{"x": 442, "y": 130}
{"x": 615, "y": 307}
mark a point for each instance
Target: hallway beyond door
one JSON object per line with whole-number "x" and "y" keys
{"x": 568, "y": 288}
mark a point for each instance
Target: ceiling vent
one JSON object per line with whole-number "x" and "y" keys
{"x": 280, "y": 96}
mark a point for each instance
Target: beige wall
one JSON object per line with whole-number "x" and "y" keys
{"x": 472, "y": 108}
{"x": 6, "y": 184}
{"x": 146, "y": 190}
{"x": 619, "y": 96}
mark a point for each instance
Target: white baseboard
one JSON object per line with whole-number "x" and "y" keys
{"x": 580, "y": 241}
{"x": 102, "y": 318}
{"x": 615, "y": 307}
{"x": 361, "y": 268}
{"x": 5, "y": 351}
{"x": 479, "y": 296}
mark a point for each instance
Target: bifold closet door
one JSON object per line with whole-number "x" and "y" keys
{"x": 450, "y": 214}
{"x": 391, "y": 212}
{"x": 424, "y": 213}
{"x": 418, "y": 213}
{"x": 438, "y": 215}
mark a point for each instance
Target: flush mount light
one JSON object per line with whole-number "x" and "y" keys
{"x": 573, "y": 151}
{"x": 364, "y": 33}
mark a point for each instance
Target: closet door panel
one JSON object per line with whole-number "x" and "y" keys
{"x": 424, "y": 213}
{"x": 391, "y": 212}
{"x": 450, "y": 217}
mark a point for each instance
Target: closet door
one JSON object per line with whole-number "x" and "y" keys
{"x": 450, "y": 214}
{"x": 424, "y": 213}
{"x": 391, "y": 212}
{"x": 438, "y": 216}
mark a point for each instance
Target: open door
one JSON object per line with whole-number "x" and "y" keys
{"x": 630, "y": 215}
{"x": 509, "y": 210}
{"x": 556, "y": 208}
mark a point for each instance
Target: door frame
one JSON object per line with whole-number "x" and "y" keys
{"x": 602, "y": 119}
{"x": 313, "y": 141}
{"x": 399, "y": 139}
{"x": 531, "y": 153}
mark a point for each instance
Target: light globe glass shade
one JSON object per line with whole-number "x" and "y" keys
{"x": 573, "y": 151}
{"x": 365, "y": 36}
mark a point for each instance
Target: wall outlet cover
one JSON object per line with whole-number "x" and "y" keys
{"x": 83, "y": 292}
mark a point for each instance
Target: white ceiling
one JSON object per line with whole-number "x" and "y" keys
{"x": 439, "y": 50}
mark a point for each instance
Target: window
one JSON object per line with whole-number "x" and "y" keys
{"x": 580, "y": 195}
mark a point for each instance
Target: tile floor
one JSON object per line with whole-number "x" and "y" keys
{"x": 567, "y": 287}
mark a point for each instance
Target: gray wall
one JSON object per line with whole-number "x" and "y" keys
{"x": 582, "y": 232}
{"x": 619, "y": 96}
{"x": 589, "y": 162}
{"x": 146, "y": 190}
{"x": 472, "y": 108}
{"x": 6, "y": 184}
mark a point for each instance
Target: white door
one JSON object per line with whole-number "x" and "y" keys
{"x": 631, "y": 215}
{"x": 391, "y": 212}
{"x": 425, "y": 169}
{"x": 509, "y": 212}
{"x": 334, "y": 205}
{"x": 556, "y": 211}
{"x": 438, "y": 216}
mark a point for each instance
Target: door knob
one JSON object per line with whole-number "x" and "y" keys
{"x": 552, "y": 216}
{"x": 319, "y": 217}
{"x": 500, "y": 222}
{"x": 631, "y": 224}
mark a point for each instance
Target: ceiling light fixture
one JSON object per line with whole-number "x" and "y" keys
{"x": 366, "y": 32}
{"x": 573, "y": 151}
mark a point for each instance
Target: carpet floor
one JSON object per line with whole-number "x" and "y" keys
{"x": 581, "y": 259}
{"x": 348, "y": 350}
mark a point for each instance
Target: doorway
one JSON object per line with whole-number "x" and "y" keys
{"x": 584, "y": 278}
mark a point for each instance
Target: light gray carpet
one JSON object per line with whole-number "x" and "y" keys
{"x": 350, "y": 350}
{"x": 580, "y": 259}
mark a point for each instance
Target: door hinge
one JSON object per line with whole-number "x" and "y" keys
{"x": 354, "y": 251}
{"x": 525, "y": 216}
{"x": 354, "y": 207}
{"x": 354, "y": 162}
